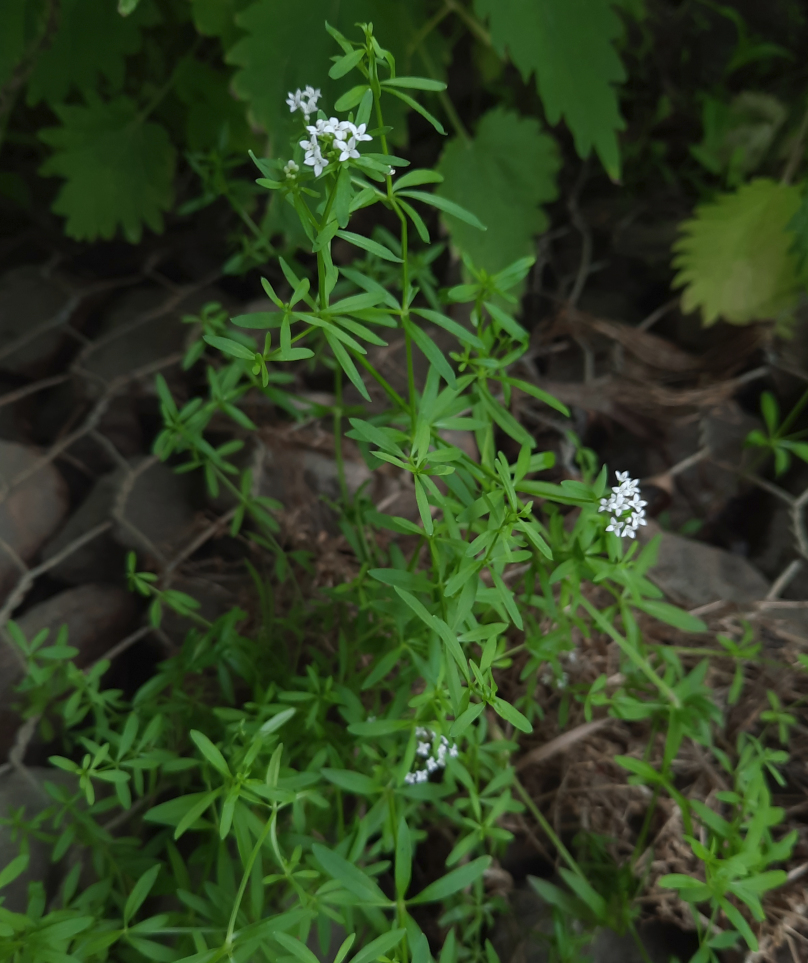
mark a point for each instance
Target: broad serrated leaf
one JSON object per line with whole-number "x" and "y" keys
{"x": 205, "y": 93}
{"x": 287, "y": 47}
{"x": 92, "y": 41}
{"x": 19, "y": 25}
{"x": 569, "y": 45}
{"x": 502, "y": 176}
{"x": 734, "y": 256}
{"x": 119, "y": 170}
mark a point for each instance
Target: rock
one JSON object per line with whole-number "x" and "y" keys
{"x": 25, "y": 788}
{"x": 31, "y": 510}
{"x": 126, "y": 343}
{"x": 29, "y": 298}
{"x": 100, "y": 560}
{"x": 518, "y": 936}
{"x": 693, "y": 573}
{"x": 96, "y": 616}
{"x": 159, "y": 508}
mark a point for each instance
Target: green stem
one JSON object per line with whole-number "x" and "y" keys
{"x": 155, "y": 102}
{"x": 343, "y": 486}
{"x": 633, "y": 655}
{"x": 445, "y": 100}
{"x": 795, "y": 413}
{"x": 231, "y": 926}
{"x": 548, "y": 829}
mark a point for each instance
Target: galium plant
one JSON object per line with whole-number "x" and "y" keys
{"x": 264, "y": 795}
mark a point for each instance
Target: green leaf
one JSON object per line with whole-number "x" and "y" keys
{"x": 431, "y": 351}
{"x": 140, "y": 891}
{"x": 503, "y": 174}
{"x": 230, "y": 347}
{"x": 452, "y": 882}
{"x": 279, "y": 52}
{"x": 205, "y": 93}
{"x": 511, "y": 714}
{"x": 210, "y": 752}
{"x": 671, "y": 614}
{"x": 448, "y": 207}
{"x": 734, "y": 257}
{"x": 17, "y": 31}
{"x": 153, "y": 950}
{"x": 12, "y": 870}
{"x": 346, "y": 363}
{"x": 355, "y": 782}
{"x": 296, "y": 948}
{"x": 465, "y": 719}
{"x": 379, "y": 947}
{"x": 403, "y": 868}
{"x": 570, "y": 47}
{"x": 119, "y": 170}
{"x": 798, "y": 226}
{"x": 91, "y": 41}
{"x": 351, "y": 876}
{"x": 367, "y": 244}
{"x": 414, "y": 83}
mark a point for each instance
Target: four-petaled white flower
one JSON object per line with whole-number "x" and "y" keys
{"x": 347, "y": 148}
{"x": 435, "y": 759}
{"x": 303, "y": 100}
{"x": 327, "y": 136}
{"x": 626, "y": 507}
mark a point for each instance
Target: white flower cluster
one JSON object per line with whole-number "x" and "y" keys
{"x": 625, "y": 505}
{"x": 303, "y": 100}
{"x": 434, "y": 760}
{"x": 332, "y": 135}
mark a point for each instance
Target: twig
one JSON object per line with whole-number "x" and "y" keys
{"x": 657, "y": 314}
{"x": 586, "y": 236}
{"x": 20, "y": 590}
{"x": 797, "y": 151}
{"x": 783, "y": 579}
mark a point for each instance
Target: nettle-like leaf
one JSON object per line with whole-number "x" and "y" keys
{"x": 286, "y": 47}
{"x": 19, "y": 23}
{"x": 92, "y": 41}
{"x": 502, "y": 176}
{"x": 119, "y": 170}
{"x": 205, "y": 93}
{"x": 569, "y": 45}
{"x": 734, "y": 257}
{"x": 798, "y": 226}
{"x": 217, "y": 18}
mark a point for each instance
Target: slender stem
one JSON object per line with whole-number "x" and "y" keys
{"x": 231, "y": 926}
{"x": 445, "y": 99}
{"x": 155, "y": 102}
{"x": 796, "y": 411}
{"x": 629, "y": 650}
{"x": 797, "y": 151}
{"x": 343, "y": 487}
{"x": 545, "y": 825}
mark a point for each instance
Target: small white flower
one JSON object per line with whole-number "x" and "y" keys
{"x": 360, "y": 132}
{"x": 624, "y": 500}
{"x": 424, "y": 749}
{"x": 314, "y": 157}
{"x": 347, "y": 149}
{"x": 291, "y": 170}
{"x": 392, "y": 172}
{"x": 294, "y": 100}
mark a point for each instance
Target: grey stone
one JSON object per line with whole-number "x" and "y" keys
{"x": 100, "y": 560}
{"x": 31, "y": 510}
{"x": 693, "y": 573}
{"x": 159, "y": 508}
{"x": 30, "y": 298}
{"x": 25, "y": 788}
{"x": 129, "y": 339}
{"x": 96, "y": 616}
